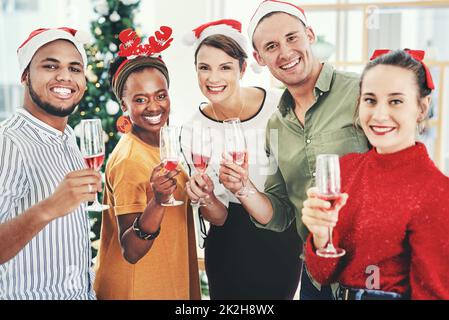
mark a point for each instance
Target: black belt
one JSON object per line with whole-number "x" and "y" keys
{"x": 366, "y": 294}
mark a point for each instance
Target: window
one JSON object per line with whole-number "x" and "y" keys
{"x": 9, "y": 6}
{"x": 356, "y": 28}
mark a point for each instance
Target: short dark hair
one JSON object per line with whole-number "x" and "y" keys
{"x": 227, "y": 44}
{"x": 136, "y": 65}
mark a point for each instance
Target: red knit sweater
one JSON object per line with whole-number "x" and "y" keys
{"x": 396, "y": 219}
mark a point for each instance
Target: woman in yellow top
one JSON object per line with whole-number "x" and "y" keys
{"x": 163, "y": 266}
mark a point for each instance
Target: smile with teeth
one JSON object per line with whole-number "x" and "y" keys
{"x": 382, "y": 130}
{"x": 291, "y": 64}
{"x": 154, "y": 119}
{"x": 62, "y": 92}
{"x": 216, "y": 88}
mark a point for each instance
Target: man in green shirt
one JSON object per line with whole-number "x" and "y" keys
{"x": 315, "y": 116}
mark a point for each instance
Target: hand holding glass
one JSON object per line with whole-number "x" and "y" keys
{"x": 169, "y": 153}
{"x": 201, "y": 145}
{"x": 328, "y": 184}
{"x": 93, "y": 150}
{"x": 236, "y": 148}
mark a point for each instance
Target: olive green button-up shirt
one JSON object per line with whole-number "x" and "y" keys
{"x": 328, "y": 128}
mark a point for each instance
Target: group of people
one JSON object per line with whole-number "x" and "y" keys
{"x": 390, "y": 217}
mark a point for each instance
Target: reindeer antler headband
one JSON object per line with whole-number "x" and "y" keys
{"x": 148, "y": 54}
{"x": 131, "y": 46}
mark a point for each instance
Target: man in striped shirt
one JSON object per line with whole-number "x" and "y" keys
{"x": 44, "y": 228}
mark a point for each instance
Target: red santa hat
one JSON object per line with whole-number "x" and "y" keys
{"x": 42, "y": 36}
{"x": 269, "y": 6}
{"x": 227, "y": 27}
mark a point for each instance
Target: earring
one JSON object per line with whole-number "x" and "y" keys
{"x": 124, "y": 124}
{"x": 420, "y": 127}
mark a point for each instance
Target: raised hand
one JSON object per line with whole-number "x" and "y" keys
{"x": 318, "y": 215}
{"x": 163, "y": 184}
{"x": 200, "y": 186}
{"x": 232, "y": 175}
{"x": 76, "y": 187}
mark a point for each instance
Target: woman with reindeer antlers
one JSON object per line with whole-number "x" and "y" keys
{"x": 147, "y": 250}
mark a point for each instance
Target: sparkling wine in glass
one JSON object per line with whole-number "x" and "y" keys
{"x": 201, "y": 149}
{"x": 236, "y": 149}
{"x": 170, "y": 154}
{"x": 328, "y": 184}
{"x": 93, "y": 150}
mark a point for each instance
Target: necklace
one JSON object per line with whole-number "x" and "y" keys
{"x": 215, "y": 114}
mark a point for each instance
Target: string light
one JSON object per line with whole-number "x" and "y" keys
{"x": 83, "y": 113}
{"x": 97, "y": 109}
{"x": 97, "y": 85}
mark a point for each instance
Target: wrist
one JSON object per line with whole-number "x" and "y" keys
{"x": 319, "y": 241}
{"x": 46, "y": 210}
{"x": 142, "y": 234}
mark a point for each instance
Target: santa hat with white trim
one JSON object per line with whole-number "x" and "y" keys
{"x": 269, "y": 6}
{"x": 227, "y": 27}
{"x": 40, "y": 37}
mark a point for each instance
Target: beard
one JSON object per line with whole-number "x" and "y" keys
{"x": 49, "y": 108}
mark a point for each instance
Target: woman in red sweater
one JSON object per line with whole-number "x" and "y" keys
{"x": 393, "y": 216}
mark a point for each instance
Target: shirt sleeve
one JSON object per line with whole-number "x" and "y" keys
{"x": 13, "y": 178}
{"x": 130, "y": 184}
{"x": 428, "y": 236}
{"x": 323, "y": 270}
{"x": 276, "y": 191}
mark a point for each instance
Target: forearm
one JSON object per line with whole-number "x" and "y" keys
{"x": 133, "y": 247}
{"x": 18, "y": 232}
{"x": 258, "y": 205}
{"x": 214, "y": 212}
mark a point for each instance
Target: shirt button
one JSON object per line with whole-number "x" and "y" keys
{"x": 314, "y": 174}
{"x": 308, "y": 141}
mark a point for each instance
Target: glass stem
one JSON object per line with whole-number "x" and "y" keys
{"x": 96, "y": 198}
{"x": 330, "y": 244}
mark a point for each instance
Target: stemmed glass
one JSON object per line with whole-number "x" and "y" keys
{"x": 236, "y": 148}
{"x": 170, "y": 154}
{"x": 201, "y": 145}
{"x": 93, "y": 150}
{"x": 328, "y": 184}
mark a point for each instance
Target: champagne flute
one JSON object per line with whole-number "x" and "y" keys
{"x": 93, "y": 150}
{"x": 170, "y": 153}
{"x": 328, "y": 184}
{"x": 201, "y": 145}
{"x": 236, "y": 148}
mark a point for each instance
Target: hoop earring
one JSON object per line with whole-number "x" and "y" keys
{"x": 124, "y": 124}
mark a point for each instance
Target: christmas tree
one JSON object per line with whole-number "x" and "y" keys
{"x": 113, "y": 17}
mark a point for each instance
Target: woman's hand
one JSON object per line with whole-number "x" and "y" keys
{"x": 232, "y": 175}
{"x": 318, "y": 216}
{"x": 200, "y": 186}
{"x": 163, "y": 184}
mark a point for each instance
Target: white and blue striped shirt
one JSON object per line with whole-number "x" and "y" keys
{"x": 55, "y": 264}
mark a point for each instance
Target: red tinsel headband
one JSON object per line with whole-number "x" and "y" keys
{"x": 415, "y": 54}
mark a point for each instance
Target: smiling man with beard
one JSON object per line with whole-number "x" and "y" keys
{"x": 44, "y": 228}
{"x": 314, "y": 116}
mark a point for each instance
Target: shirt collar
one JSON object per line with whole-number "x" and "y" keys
{"x": 42, "y": 126}
{"x": 323, "y": 84}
